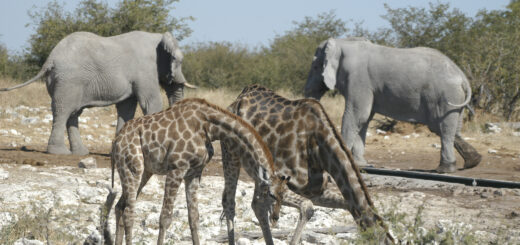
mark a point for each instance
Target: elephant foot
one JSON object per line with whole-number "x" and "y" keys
{"x": 82, "y": 151}
{"x": 446, "y": 167}
{"x": 362, "y": 163}
{"x": 471, "y": 157}
{"x": 58, "y": 150}
{"x": 472, "y": 160}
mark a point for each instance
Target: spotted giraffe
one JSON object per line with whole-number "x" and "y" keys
{"x": 305, "y": 147}
{"x": 177, "y": 143}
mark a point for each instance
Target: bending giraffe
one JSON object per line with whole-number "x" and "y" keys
{"x": 305, "y": 147}
{"x": 177, "y": 143}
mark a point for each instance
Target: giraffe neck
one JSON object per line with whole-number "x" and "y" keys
{"x": 330, "y": 140}
{"x": 225, "y": 126}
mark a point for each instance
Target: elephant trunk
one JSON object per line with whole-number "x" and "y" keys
{"x": 175, "y": 93}
{"x": 314, "y": 89}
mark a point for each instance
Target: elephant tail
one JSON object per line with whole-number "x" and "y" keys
{"x": 467, "y": 89}
{"x": 46, "y": 67}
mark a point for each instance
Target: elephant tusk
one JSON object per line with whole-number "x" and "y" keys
{"x": 186, "y": 84}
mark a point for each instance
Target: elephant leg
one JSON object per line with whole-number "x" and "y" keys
{"x": 470, "y": 155}
{"x": 448, "y": 129}
{"x": 56, "y": 144}
{"x": 125, "y": 112}
{"x": 76, "y": 145}
{"x": 358, "y": 112}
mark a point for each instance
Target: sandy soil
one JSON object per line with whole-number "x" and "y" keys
{"x": 24, "y": 133}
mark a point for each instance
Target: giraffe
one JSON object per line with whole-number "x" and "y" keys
{"x": 177, "y": 143}
{"x": 305, "y": 147}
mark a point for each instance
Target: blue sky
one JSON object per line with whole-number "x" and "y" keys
{"x": 245, "y": 21}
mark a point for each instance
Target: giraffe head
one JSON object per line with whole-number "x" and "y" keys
{"x": 278, "y": 189}
{"x": 272, "y": 188}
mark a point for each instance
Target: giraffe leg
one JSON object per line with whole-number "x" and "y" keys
{"x": 146, "y": 176}
{"x": 191, "y": 181}
{"x": 261, "y": 204}
{"x": 330, "y": 199}
{"x": 305, "y": 206}
{"x": 130, "y": 172}
{"x": 231, "y": 173}
{"x": 172, "y": 182}
{"x": 120, "y": 207}
{"x": 125, "y": 211}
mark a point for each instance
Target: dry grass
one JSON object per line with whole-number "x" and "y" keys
{"x": 32, "y": 95}
{"x": 35, "y": 95}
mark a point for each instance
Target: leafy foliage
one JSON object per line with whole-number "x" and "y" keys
{"x": 53, "y": 23}
{"x": 484, "y": 46}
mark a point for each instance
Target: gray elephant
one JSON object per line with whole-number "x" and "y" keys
{"x": 408, "y": 84}
{"x": 86, "y": 70}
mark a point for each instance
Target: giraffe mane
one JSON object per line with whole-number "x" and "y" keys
{"x": 255, "y": 134}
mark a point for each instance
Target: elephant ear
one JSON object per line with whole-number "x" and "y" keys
{"x": 170, "y": 45}
{"x": 331, "y": 63}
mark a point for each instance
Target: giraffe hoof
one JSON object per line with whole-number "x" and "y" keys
{"x": 446, "y": 168}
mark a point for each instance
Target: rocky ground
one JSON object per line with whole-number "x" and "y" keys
{"x": 49, "y": 198}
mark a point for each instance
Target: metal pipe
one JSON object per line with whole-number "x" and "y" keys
{"x": 442, "y": 177}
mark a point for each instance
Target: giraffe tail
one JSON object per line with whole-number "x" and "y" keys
{"x": 112, "y": 162}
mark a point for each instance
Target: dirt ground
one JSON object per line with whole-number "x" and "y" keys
{"x": 24, "y": 132}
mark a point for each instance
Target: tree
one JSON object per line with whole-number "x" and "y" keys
{"x": 292, "y": 52}
{"x": 53, "y": 23}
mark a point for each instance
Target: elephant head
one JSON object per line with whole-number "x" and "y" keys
{"x": 324, "y": 67}
{"x": 169, "y": 68}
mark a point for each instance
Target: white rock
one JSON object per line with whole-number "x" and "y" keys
{"x": 89, "y": 137}
{"x": 435, "y": 145}
{"x": 14, "y": 132}
{"x": 66, "y": 197}
{"x": 27, "y": 139}
{"x": 3, "y": 174}
{"x": 379, "y": 131}
{"x": 243, "y": 241}
{"x": 517, "y": 134}
{"x": 369, "y": 134}
{"x": 386, "y": 137}
{"x": 114, "y": 123}
{"x": 13, "y": 144}
{"x": 3, "y": 131}
{"x": 29, "y": 120}
{"x": 7, "y": 218}
{"x": 24, "y": 241}
{"x": 83, "y": 119}
{"x": 415, "y": 135}
{"x": 88, "y": 162}
{"x": 492, "y": 151}
{"x": 91, "y": 195}
{"x": 492, "y": 128}
{"x": 406, "y": 137}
